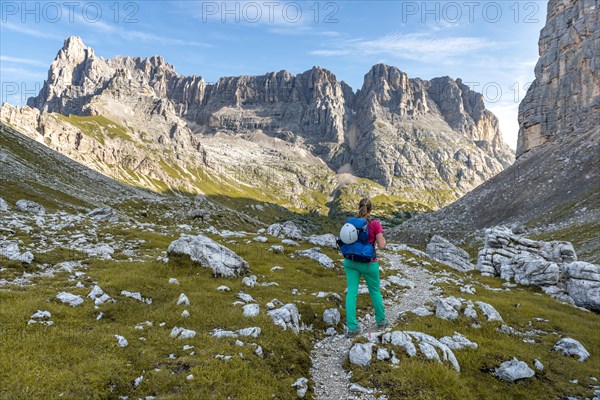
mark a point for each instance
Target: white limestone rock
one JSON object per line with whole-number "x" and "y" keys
{"x": 489, "y": 311}
{"x": 210, "y": 254}
{"x": 251, "y": 310}
{"x": 182, "y": 333}
{"x": 583, "y": 283}
{"x": 458, "y": 342}
{"x": 286, "y": 316}
{"x": 137, "y": 296}
{"x": 331, "y": 316}
{"x": 445, "y": 310}
{"x": 249, "y": 281}
{"x": 301, "y": 385}
{"x": 513, "y": 370}
{"x": 30, "y": 207}
{"x": 315, "y": 254}
{"x": 69, "y": 298}
{"x": 402, "y": 339}
{"x": 326, "y": 240}
{"x": 103, "y": 214}
{"x": 3, "y": 205}
{"x": 361, "y": 354}
{"x": 121, "y": 341}
{"x": 442, "y": 250}
{"x": 571, "y": 347}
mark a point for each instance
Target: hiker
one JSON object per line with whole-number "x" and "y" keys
{"x": 370, "y": 270}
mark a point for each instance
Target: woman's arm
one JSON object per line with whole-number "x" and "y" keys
{"x": 380, "y": 241}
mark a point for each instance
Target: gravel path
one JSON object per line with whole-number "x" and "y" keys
{"x": 330, "y": 379}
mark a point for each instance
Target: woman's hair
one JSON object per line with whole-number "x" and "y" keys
{"x": 364, "y": 207}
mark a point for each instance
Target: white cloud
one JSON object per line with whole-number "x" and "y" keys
{"x": 26, "y": 30}
{"x": 409, "y": 46}
{"x": 11, "y": 73}
{"x": 25, "y": 61}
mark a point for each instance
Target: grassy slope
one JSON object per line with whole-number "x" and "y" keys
{"x": 79, "y": 355}
{"x": 417, "y": 378}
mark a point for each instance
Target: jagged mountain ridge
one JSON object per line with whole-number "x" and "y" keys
{"x": 554, "y": 184}
{"x": 427, "y": 141}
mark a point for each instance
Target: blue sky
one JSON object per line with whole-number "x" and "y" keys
{"x": 492, "y": 45}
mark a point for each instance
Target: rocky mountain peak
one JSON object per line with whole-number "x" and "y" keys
{"x": 397, "y": 131}
{"x": 564, "y": 99}
{"x": 382, "y": 75}
{"x": 74, "y": 50}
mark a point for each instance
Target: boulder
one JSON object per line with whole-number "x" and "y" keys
{"x": 104, "y": 214}
{"x": 221, "y": 333}
{"x": 198, "y": 213}
{"x": 571, "y": 347}
{"x": 249, "y": 281}
{"x": 31, "y": 207}
{"x": 287, "y": 229}
{"x": 332, "y": 316}
{"x": 98, "y": 295}
{"x": 326, "y": 240}
{"x": 291, "y": 231}
{"x": 209, "y": 253}
{"x": 444, "y": 310}
{"x": 470, "y": 311}
{"x": 301, "y": 386}
{"x": 3, "y": 205}
{"x": 447, "y": 353}
{"x": 458, "y": 342}
{"x": 251, "y": 310}
{"x": 276, "y": 248}
{"x": 361, "y": 353}
{"x": 182, "y": 333}
{"x": 535, "y": 270}
{"x": 442, "y": 250}
{"x": 286, "y": 317}
{"x": 121, "y": 341}
{"x": 513, "y": 370}
{"x": 10, "y": 250}
{"x": 136, "y": 295}
{"x": 582, "y": 281}
{"x": 429, "y": 351}
{"x": 489, "y": 311}
{"x": 183, "y": 300}
{"x": 383, "y": 354}
{"x": 70, "y": 299}
{"x": 315, "y": 254}
{"x": 401, "y": 339}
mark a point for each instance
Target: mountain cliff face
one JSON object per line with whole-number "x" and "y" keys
{"x": 428, "y": 142}
{"x": 564, "y": 99}
{"x": 554, "y": 185}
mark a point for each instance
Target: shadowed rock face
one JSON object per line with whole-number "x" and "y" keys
{"x": 405, "y": 134}
{"x": 556, "y": 176}
{"x": 564, "y": 99}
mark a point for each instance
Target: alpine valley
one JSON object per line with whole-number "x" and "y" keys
{"x": 164, "y": 237}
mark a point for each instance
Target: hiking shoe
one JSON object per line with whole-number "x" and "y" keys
{"x": 353, "y": 333}
{"x": 383, "y": 324}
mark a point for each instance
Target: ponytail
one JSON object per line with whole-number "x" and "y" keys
{"x": 364, "y": 208}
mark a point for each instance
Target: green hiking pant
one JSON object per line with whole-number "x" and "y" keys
{"x": 371, "y": 273}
